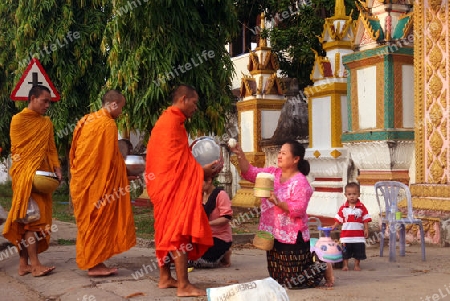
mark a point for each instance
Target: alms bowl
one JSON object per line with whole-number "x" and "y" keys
{"x": 135, "y": 165}
{"x": 206, "y": 150}
{"x": 45, "y": 182}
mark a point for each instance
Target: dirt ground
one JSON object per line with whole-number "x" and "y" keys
{"x": 408, "y": 278}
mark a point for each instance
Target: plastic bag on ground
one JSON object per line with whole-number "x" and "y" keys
{"x": 262, "y": 290}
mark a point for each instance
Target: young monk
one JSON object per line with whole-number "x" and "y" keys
{"x": 174, "y": 185}
{"x": 32, "y": 148}
{"x": 101, "y": 200}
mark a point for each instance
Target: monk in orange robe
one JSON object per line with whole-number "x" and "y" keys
{"x": 100, "y": 189}
{"x": 174, "y": 184}
{"x": 32, "y": 148}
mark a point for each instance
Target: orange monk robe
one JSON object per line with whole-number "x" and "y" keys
{"x": 32, "y": 148}
{"x": 174, "y": 185}
{"x": 100, "y": 191}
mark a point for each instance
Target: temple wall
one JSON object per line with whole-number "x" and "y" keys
{"x": 321, "y": 112}
{"x": 432, "y": 71}
{"x": 431, "y": 192}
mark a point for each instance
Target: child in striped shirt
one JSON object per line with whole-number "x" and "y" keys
{"x": 354, "y": 218}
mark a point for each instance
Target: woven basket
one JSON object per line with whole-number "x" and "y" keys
{"x": 263, "y": 240}
{"x": 263, "y": 187}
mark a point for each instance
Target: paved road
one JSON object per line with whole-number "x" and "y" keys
{"x": 407, "y": 279}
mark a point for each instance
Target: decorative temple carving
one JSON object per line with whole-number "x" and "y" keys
{"x": 322, "y": 67}
{"x": 383, "y": 22}
{"x": 248, "y": 86}
{"x": 339, "y": 27}
{"x": 266, "y": 61}
{"x": 262, "y": 66}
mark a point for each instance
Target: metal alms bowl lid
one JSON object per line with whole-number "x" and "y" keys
{"x": 205, "y": 150}
{"x": 46, "y": 173}
{"x": 135, "y": 165}
{"x": 129, "y": 160}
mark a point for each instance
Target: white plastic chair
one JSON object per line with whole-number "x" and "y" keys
{"x": 390, "y": 191}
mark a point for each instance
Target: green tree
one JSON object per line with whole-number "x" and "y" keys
{"x": 140, "y": 47}
{"x": 65, "y": 36}
{"x": 153, "y": 46}
{"x": 248, "y": 13}
{"x": 294, "y": 37}
{"x": 6, "y": 75}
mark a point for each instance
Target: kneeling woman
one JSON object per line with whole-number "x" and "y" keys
{"x": 284, "y": 215}
{"x": 217, "y": 206}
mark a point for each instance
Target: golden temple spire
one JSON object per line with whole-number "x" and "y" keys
{"x": 339, "y": 8}
{"x": 263, "y": 24}
{"x": 263, "y": 42}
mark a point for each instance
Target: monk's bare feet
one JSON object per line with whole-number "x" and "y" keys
{"x": 190, "y": 291}
{"x": 101, "y": 270}
{"x": 23, "y": 270}
{"x": 41, "y": 270}
{"x": 357, "y": 268}
{"x": 167, "y": 283}
{"x": 345, "y": 268}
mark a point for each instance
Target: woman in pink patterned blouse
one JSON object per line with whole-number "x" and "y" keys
{"x": 284, "y": 215}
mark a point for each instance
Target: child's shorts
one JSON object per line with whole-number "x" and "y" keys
{"x": 354, "y": 250}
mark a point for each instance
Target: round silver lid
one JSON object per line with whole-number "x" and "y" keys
{"x": 205, "y": 150}
{"x": 46, "y": 173}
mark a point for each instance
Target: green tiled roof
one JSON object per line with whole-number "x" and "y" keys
{"x": 398, "y": 32}
{"x": 375, "y": 24}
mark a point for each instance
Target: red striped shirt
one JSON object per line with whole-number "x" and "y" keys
{"x": 352, "y": 220}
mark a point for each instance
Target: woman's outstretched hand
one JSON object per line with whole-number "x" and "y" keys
{"x": 242, "y": 160}
{"x": 236, "y": 149}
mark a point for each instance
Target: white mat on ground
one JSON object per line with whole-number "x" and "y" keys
{"x": 262, "y": 290}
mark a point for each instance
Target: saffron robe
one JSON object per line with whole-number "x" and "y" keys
{"x": 174, "y": 184}
{"x": 100, "y": 191}
{"x": 32, "y": 148}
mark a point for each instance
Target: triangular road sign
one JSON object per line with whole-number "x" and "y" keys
{"x": 33, "y": 75}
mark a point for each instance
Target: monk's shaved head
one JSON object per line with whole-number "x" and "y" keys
{"x": 185, "y": 98}
{"x": 181, "y": 90}
{"x": 113, "y": 101}
{"x": 112, "y": 96}
{"x": 36, "y": 91}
